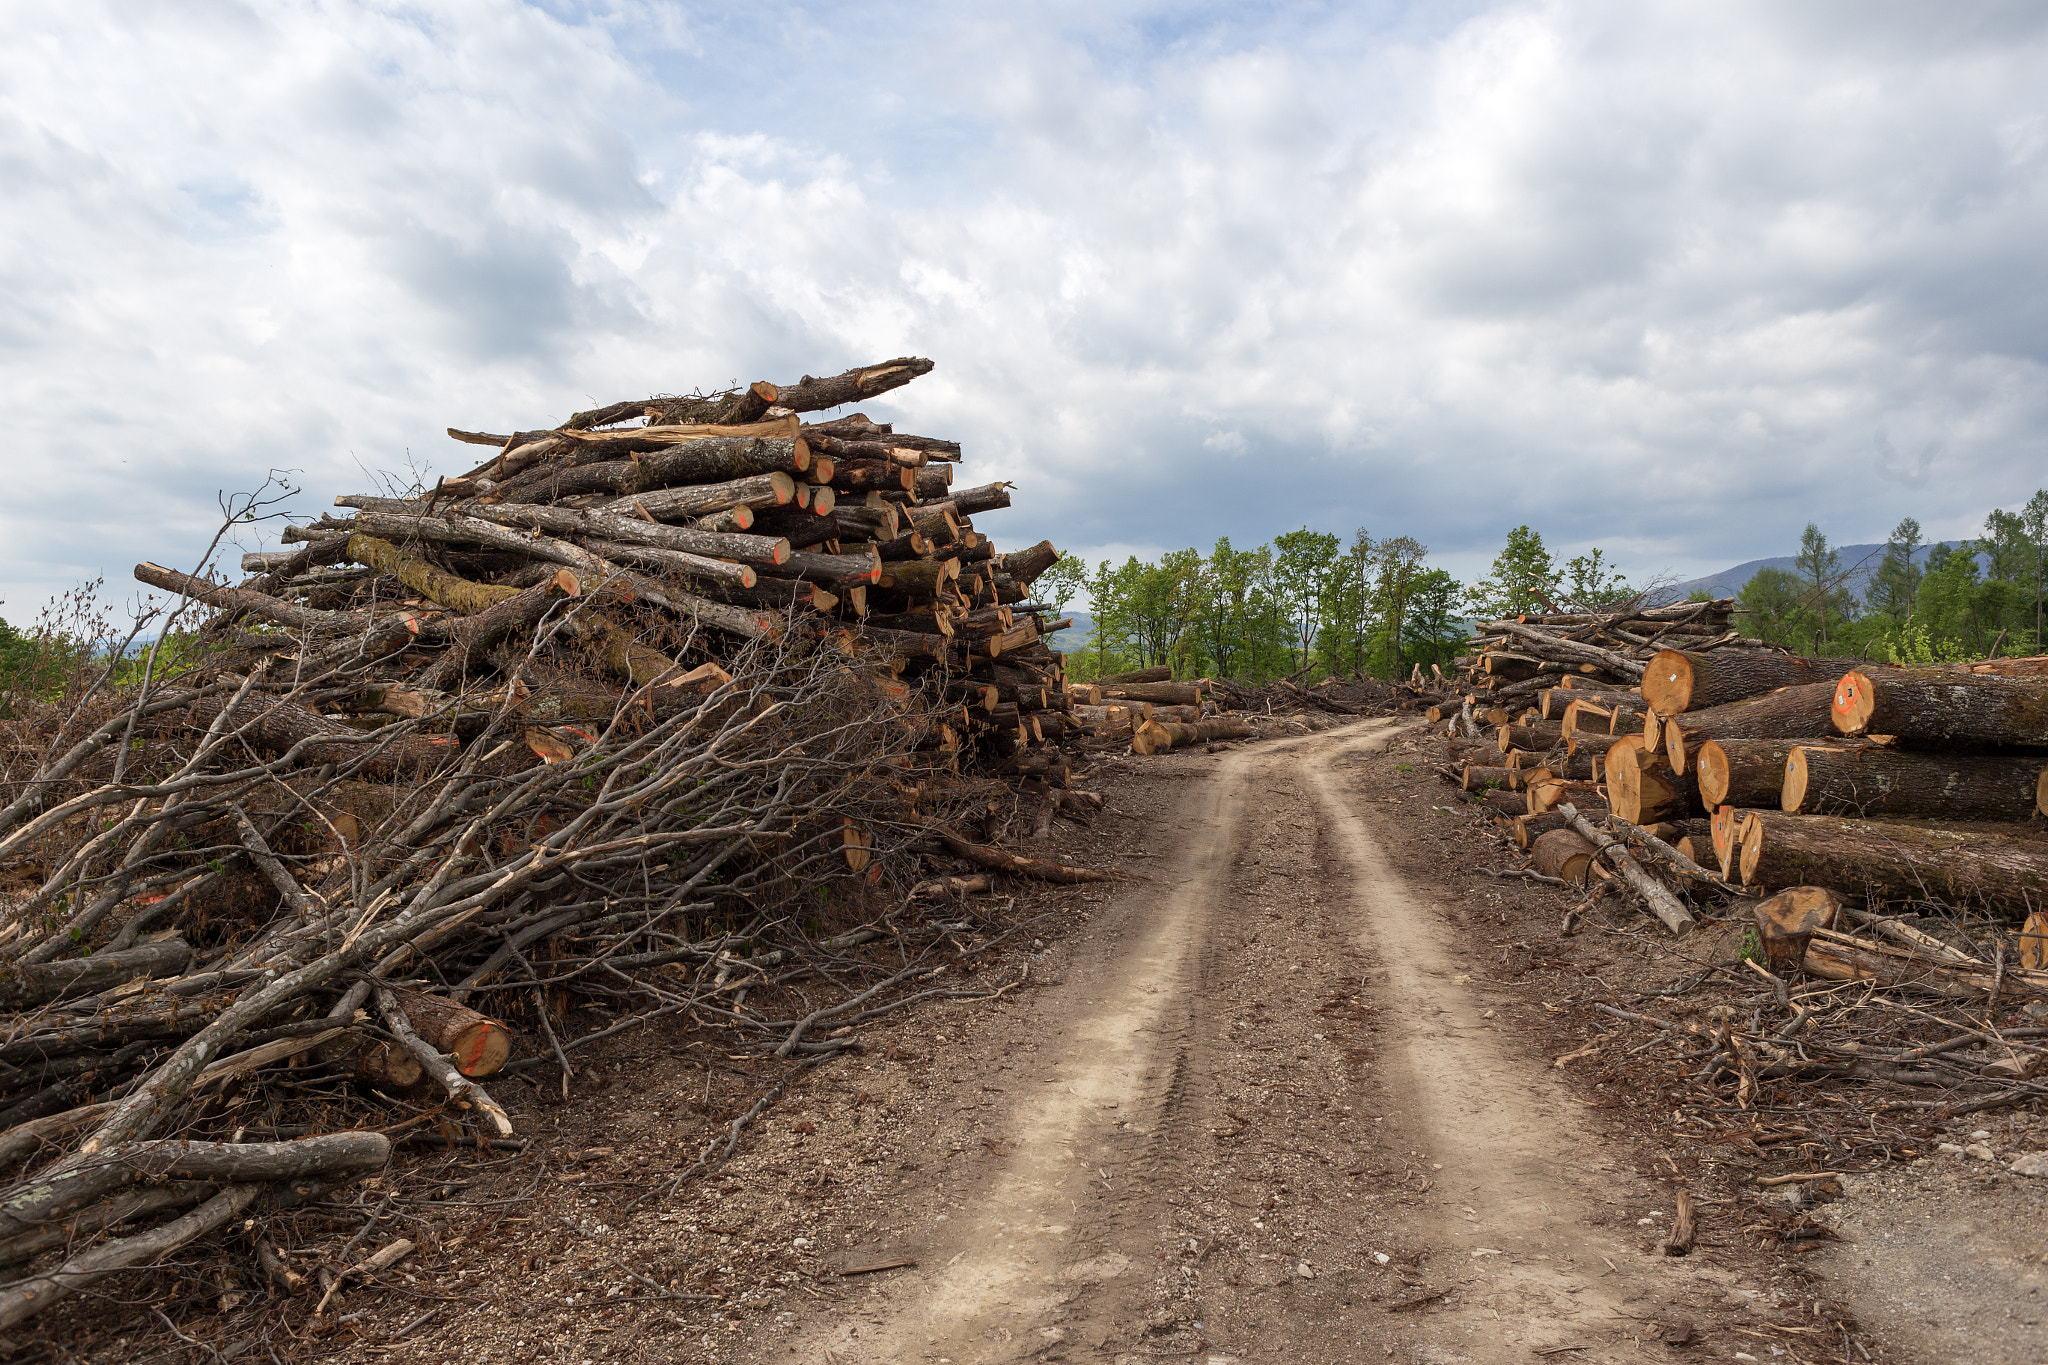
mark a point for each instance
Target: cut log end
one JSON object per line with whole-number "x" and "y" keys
{"x": 1667, "y": 682}
{"x": 1855, "y": 700}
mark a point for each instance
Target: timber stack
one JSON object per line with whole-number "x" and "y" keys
{"x": 719, "y": 519}
{"x": 1739, "y": 768}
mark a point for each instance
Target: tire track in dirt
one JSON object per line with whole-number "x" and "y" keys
{"x": 1276, "y": 1111}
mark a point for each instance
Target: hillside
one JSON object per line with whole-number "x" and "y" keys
{"x": 1861, "y": 560}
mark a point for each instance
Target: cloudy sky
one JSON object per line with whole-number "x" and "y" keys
{"x": 1667, "y": 278}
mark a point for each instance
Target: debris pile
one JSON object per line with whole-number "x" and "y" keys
{"x": 676, "y": 718}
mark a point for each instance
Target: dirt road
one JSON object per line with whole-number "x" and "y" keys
{"x": 1263, "y": 1110}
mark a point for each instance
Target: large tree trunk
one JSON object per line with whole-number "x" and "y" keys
{"x": 1894, "y": 862}
{"x": 1742, "y": 772}
{"x": 1677, "y": 681}
{"x": 1934, "y": 707}
{"x": 1878, "y": 781}
{"x": 1789, "y": 713}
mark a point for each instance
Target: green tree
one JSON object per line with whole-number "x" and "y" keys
{"x": 1062, "y": 583}
{"x": 2034, "y": 521}
{"x": 1233, "y": 609}
{"x": 1776, "y": 605}
{"x": 1434, "y": 614}
{"x": 1590, "y": 583}
{"x": 1523, "y": 579}
{"x": 1301, "y": 566}
{"x": 1827, "y": 602}
{"x": 1897, "y": 580}
{"x": 1396, "y": 561}
{"x": 1348, "y": 610}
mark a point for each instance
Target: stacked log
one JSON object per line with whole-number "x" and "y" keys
{"x": 1879, "y": 785}
{"x": 723, "y": 519}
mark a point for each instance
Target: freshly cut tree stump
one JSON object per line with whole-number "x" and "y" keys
{"x": 1675, "y": 681}
{"x": 1895, "y": 862}
{"x": 478, "y": 1044}
{"x": 1872, "y": 781}
{"x": 1786, "y": 922}
{"x": 1562, "y": 853}
{"x": 1930, "y": 706}
{"x": 1742, "y": 772}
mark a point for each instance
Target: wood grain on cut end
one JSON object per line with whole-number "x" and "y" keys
{"x": 1855, "y": 699}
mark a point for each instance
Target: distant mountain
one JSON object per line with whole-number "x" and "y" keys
{"x": 1860, "y": 560}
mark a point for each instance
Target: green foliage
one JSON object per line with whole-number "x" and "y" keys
{"x": 1897, "y": 580}
{"x": 1523, "y": 579}
{"x": 1309, "y": 603}
{"x": 1752, "y": 946}
{"x": 1910, "y": 644}
{"x": 1591, "y": 583}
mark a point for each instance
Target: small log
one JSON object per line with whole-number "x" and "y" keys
{"x": 1640, "y": 785}
{"x": 39, "y": 983}
{"x": 998, "y": 861}
{"x": 1563, "y": 853}
{"x": 1895, "y": 862}
{"x": 465, "y": 1092}
{"x": 478, "y": 1044}
{"x": 1661, "y": 902}
{"x": 1682, "y": 1228}
{"x": 1742, "y": 772}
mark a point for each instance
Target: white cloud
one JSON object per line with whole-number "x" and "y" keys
{"x": 1670, "y": 278}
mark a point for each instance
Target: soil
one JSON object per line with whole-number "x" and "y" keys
{"x": 1304, "y": 1086}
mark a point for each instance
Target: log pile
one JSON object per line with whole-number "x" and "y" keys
{"x": 669, "y": 707}
{"x": 1891, "y": 788}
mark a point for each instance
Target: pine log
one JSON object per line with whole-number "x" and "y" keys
{"x": 1676, "y": 681}
{"x": 1938, "y": 706}
{"x": 756, "y": 550}
{"x": 1026, "y": 565}
{"x": 1785, "y": 923}
{"x": 698, "y": 462}
{"x": 1163, "y": 693}
{"x": 837, "y": 572}
{"x": 1478, "y": 777}
{"x": 1789, "y": 713}
{"x": 1876, "y": 781}
{"x": 1562, "y": 853}
{"x": 583, "y": 556}
{"x": 1156, "y": 673}
{"x": 1895, "y": 862}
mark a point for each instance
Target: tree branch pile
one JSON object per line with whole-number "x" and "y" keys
{"x": 659, "y": 708}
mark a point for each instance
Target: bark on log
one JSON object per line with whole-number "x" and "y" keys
{"x": 478, "y": 1044}
{"x": 1163, "y": 693}
{"x": 1930, "y": 706}
{"x": 814, "y": 395}
{"x": 465, "y": 1092}
{"x": 1157, "y": 736}
{"x": 23, "y": 986}
{"x": 1874, "y": 781}
{"x": 1676, "y": 681}
{"x": 581, "y": 556}
{"x": 435, "y": 584}
{"x": 1563, "y": 853}
{"x": 557, "y": 521}
{"x": 1548, "y": 793}
{"x": 1893, "y": 862}
{"x": 1157, "y": 673}
{"x": 1742, "y": 772}
{"x": 1026, "y": 565}
{"x": 998, "y": 861}
{"x": 701, "y": 500}
{"x": 1789, "y": 713}
{"x": 223, "y": 598}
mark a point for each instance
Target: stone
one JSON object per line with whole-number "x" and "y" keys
{"x": 2030, "y": 1163}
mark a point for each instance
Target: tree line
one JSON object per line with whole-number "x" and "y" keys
{"x": 1310, "y": 604}
{"x": 1984, "y": 597}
